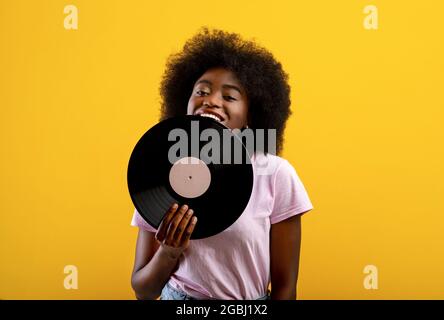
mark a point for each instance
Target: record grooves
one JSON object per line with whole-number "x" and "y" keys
{"x": 218, "y": 193}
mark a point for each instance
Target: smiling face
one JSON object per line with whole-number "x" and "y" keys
{"x": 218, "y": 93}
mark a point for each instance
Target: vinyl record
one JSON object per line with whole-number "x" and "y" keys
{"x": 178, "y": 160}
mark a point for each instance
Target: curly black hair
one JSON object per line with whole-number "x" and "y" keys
{"x": 263, "y": 78}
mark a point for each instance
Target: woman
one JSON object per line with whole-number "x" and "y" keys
{"x": 243, "y": 85}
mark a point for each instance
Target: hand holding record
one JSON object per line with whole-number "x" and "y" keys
{"x": 175, "y": 230}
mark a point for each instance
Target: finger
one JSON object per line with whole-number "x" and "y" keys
{"x": 161, "y": 231}
{"x": 182, "y": 226}
{"x": 188, "y": 232}
{"x": 174, "y": 223}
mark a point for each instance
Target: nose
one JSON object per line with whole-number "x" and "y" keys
{"x": 213, "y": 100}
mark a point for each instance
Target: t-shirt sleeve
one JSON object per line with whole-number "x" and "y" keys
{"x": 290, "y": 196}
{"x": 138, "y": 221}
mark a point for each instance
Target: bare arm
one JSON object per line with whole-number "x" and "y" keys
{"x": 157, "y": 255}
{"x": 152, "y": 268}
{"x": 285, "y": 252}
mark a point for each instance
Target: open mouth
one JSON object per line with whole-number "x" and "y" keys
{"x": 209, "y": 114}
{"x": 212, "y": 116}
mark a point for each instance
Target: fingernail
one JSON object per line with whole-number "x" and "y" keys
{"x": 175, "y": 206}
{"x": 190, "y": 212}
{"x": 194, "y": 219}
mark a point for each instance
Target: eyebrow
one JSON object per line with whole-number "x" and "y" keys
{"x": 229, "y": 86}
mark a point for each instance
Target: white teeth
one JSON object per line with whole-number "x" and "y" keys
{"x": 210, "y": 116}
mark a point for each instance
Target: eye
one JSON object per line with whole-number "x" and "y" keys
{"x": 201, "y": 92}
{"x": 229, "y": 98}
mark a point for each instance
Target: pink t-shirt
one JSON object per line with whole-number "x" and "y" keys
{"x": 235, "y": 264}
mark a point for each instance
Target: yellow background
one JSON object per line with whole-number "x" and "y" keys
{"x": 365, "y": 137}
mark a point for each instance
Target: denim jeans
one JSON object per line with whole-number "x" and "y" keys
{"x": 170, "y": 293}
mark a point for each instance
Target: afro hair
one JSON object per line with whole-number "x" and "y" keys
{"x": 264, "y": 80}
